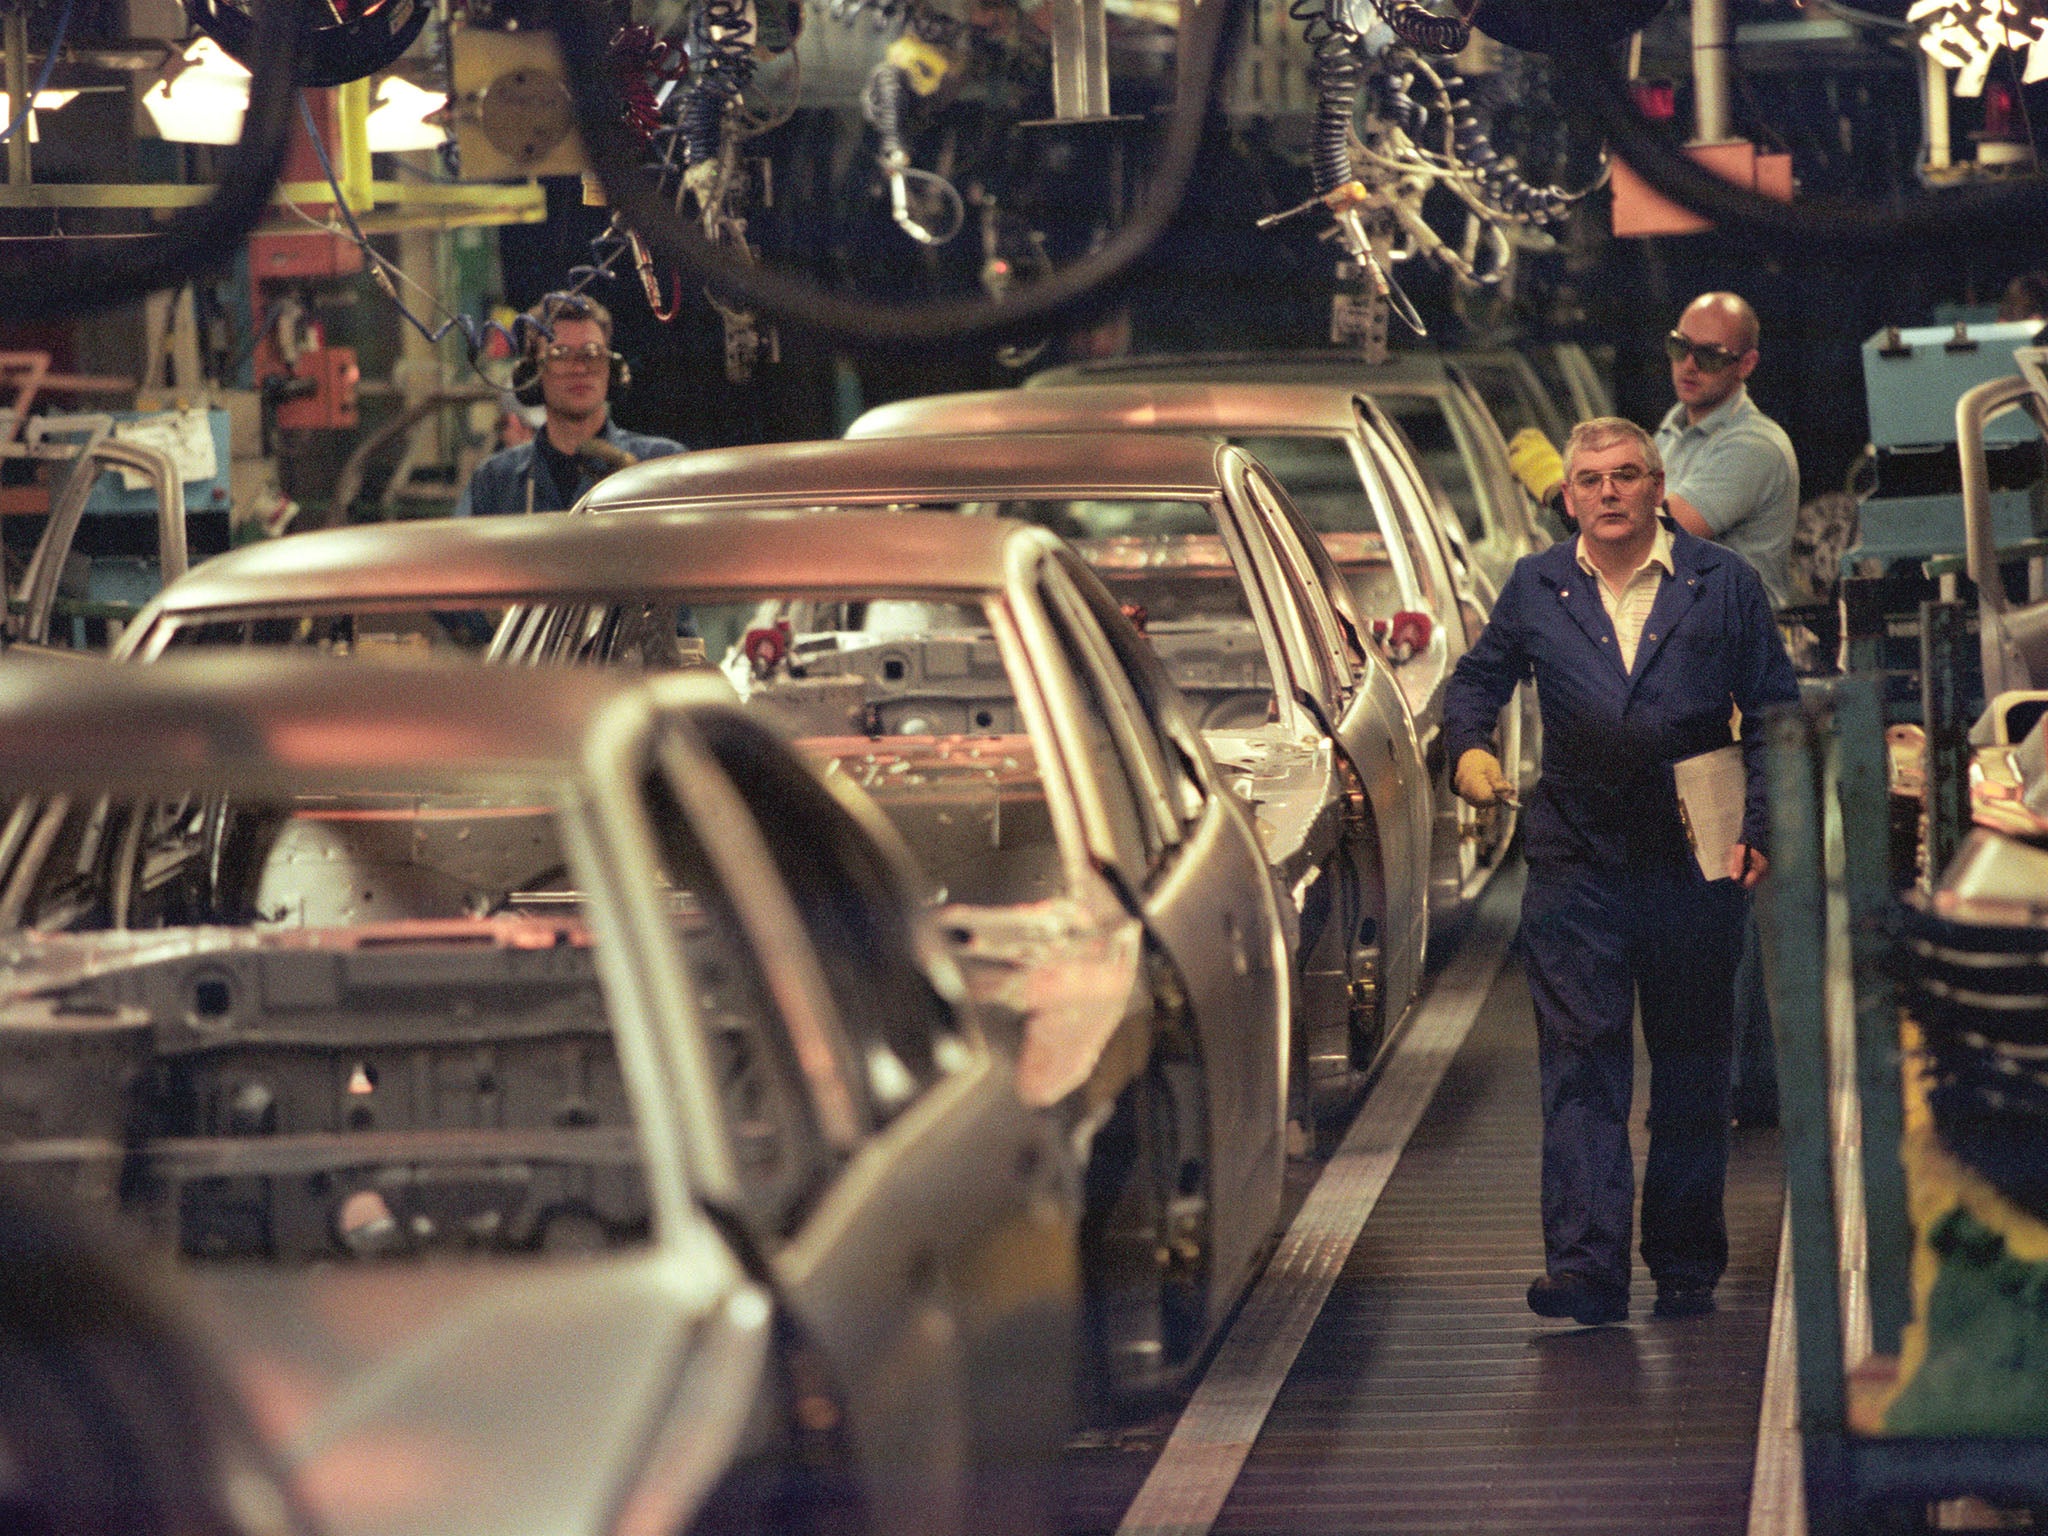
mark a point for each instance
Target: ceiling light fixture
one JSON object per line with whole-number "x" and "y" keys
{"x": 395, "y": 122}
{"x": 201, "y": 96}
{"x": 1966, "y": 35}
{"x": 42, "y": 101}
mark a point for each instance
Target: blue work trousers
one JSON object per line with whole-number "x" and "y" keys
{"x": 1595, "y": 942}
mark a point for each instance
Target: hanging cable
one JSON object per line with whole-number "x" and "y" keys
{"x": 881, "y": 103}
{"x": 800, "y": 299}
{"x": 43, "y": 79}
{"x": 1420, "y": 27}
{"x": 476, "y": 334}
{"x": 34, "y": 284}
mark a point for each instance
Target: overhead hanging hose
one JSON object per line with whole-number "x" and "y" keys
{"x": 1419, "y": 27}
{"x": 1336, "y": 70}
{"x": 41, "y": 281}
{"x": 1500, "y": 187}
{"x": 613, "y": 153}
{"x": 1822, "y": 228}
{"x": 881, "y": 103}
{"x": 722, "y": 52}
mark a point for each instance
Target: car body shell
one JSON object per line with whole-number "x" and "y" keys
{"x": 925, "y": 1297}
{"x": 1462, "y": 450}
{"x": 1344, "y": 727}
{"x": 1545, "y": 385}
{"x": 1378, "y": 523}
{"x": 1077, "y": 968}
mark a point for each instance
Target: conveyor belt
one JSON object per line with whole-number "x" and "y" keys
{"x": 1427, "y": 1398}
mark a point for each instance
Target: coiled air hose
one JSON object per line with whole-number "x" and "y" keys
{"x": 722, "y": 48}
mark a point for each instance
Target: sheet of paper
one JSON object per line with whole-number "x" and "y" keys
{"x": 186, "y": 436}
{"x": 1712, "y": 790}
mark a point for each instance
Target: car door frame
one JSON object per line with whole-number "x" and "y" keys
{"x": 1511, "y": 499}
{"x": 972, "y": 1145}
{"x": 1216, "y": 864}
{"x": 1359, "y": 715}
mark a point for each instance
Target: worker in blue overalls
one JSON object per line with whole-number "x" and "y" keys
{"x": 1644, "y": 641}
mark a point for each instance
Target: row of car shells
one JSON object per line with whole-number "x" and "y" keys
{"x": 820, "y": 1013}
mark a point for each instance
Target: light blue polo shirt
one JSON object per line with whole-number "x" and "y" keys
{"x": 1737, "y": 468}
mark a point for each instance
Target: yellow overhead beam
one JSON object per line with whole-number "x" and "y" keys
{"x": 379, "y": 206}
{"x": 385, "y": 205}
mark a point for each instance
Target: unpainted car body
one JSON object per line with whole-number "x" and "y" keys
{"x": 1106, "y": 891}
{"x": 593, "y": 1183}
{"x": 1447, "y": 424}
{"x": 1546, "y": 385}
{"x": 1236, "y": 592}
{"x": 1345, "y": 471}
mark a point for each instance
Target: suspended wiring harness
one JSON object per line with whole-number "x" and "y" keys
{"x": 917, "y": 62}
{"x": 611, "y": 146}
{"x": 1373, "y": 183}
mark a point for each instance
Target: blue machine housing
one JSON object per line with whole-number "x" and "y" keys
{"x": 1912, "y": 379}
{"x": 212, "y": 495}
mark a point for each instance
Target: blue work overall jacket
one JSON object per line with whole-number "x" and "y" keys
{"x": 1617, "y": 912}
{"x": 1609, "y": 737}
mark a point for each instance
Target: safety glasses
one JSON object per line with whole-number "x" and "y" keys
{"x": 1706, "y": 356}
{"x": 1626, "y": 479}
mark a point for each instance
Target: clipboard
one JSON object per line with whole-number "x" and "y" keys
{"x": 1713, "y": 791}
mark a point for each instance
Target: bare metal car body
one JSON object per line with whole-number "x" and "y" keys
{"x": 1107, "y": 889}
{"x": 1346, "y": 472}
{"x": 1237, "y": 593}
{"x": 1436, "y": 407}
{"x": 608, "y": 1191}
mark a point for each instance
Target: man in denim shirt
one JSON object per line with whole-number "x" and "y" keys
{"x": 1730, "y": 473}
{"x": 579, "y": 443}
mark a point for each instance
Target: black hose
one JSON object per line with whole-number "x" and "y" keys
{"x": 725, "y": 63}
{"x": 37, "y": 284}
{"x": 1424, "y": 29}
{"x": 1335, "y": 72}
{"x": 1828, "y": 229}
{"x": 614, "y": 154}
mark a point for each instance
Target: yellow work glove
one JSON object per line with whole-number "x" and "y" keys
{"x": 1480, "y": 780}
{"x": 1535, "y": 461}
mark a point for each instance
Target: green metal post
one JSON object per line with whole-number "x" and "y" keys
{"x": 1863, "y": 618}
{"x": 1791, "y": 915}
{"x": 1943, "y": 642}
{"x": 14, "y": 29}
{"x": 1862, "y": 777}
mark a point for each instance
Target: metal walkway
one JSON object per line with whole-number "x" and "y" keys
{"x": 1391, "y": 1379}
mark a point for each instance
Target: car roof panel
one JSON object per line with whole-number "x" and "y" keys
{"x": 498, "y": 560}
{"x": 235, "y": 718}
{"x": 931, "y": 468}
{"x": 1320, "y": 405}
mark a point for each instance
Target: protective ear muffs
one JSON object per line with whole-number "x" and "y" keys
{"x": 526, "y": 377}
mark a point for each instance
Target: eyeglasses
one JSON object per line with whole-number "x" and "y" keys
{"x": 588, "y": 352}
{"x": 1626, "y": 478}
{"x": 1705, "y": 354}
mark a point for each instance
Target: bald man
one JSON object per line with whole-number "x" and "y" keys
{"x": 1730, "y": 473}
